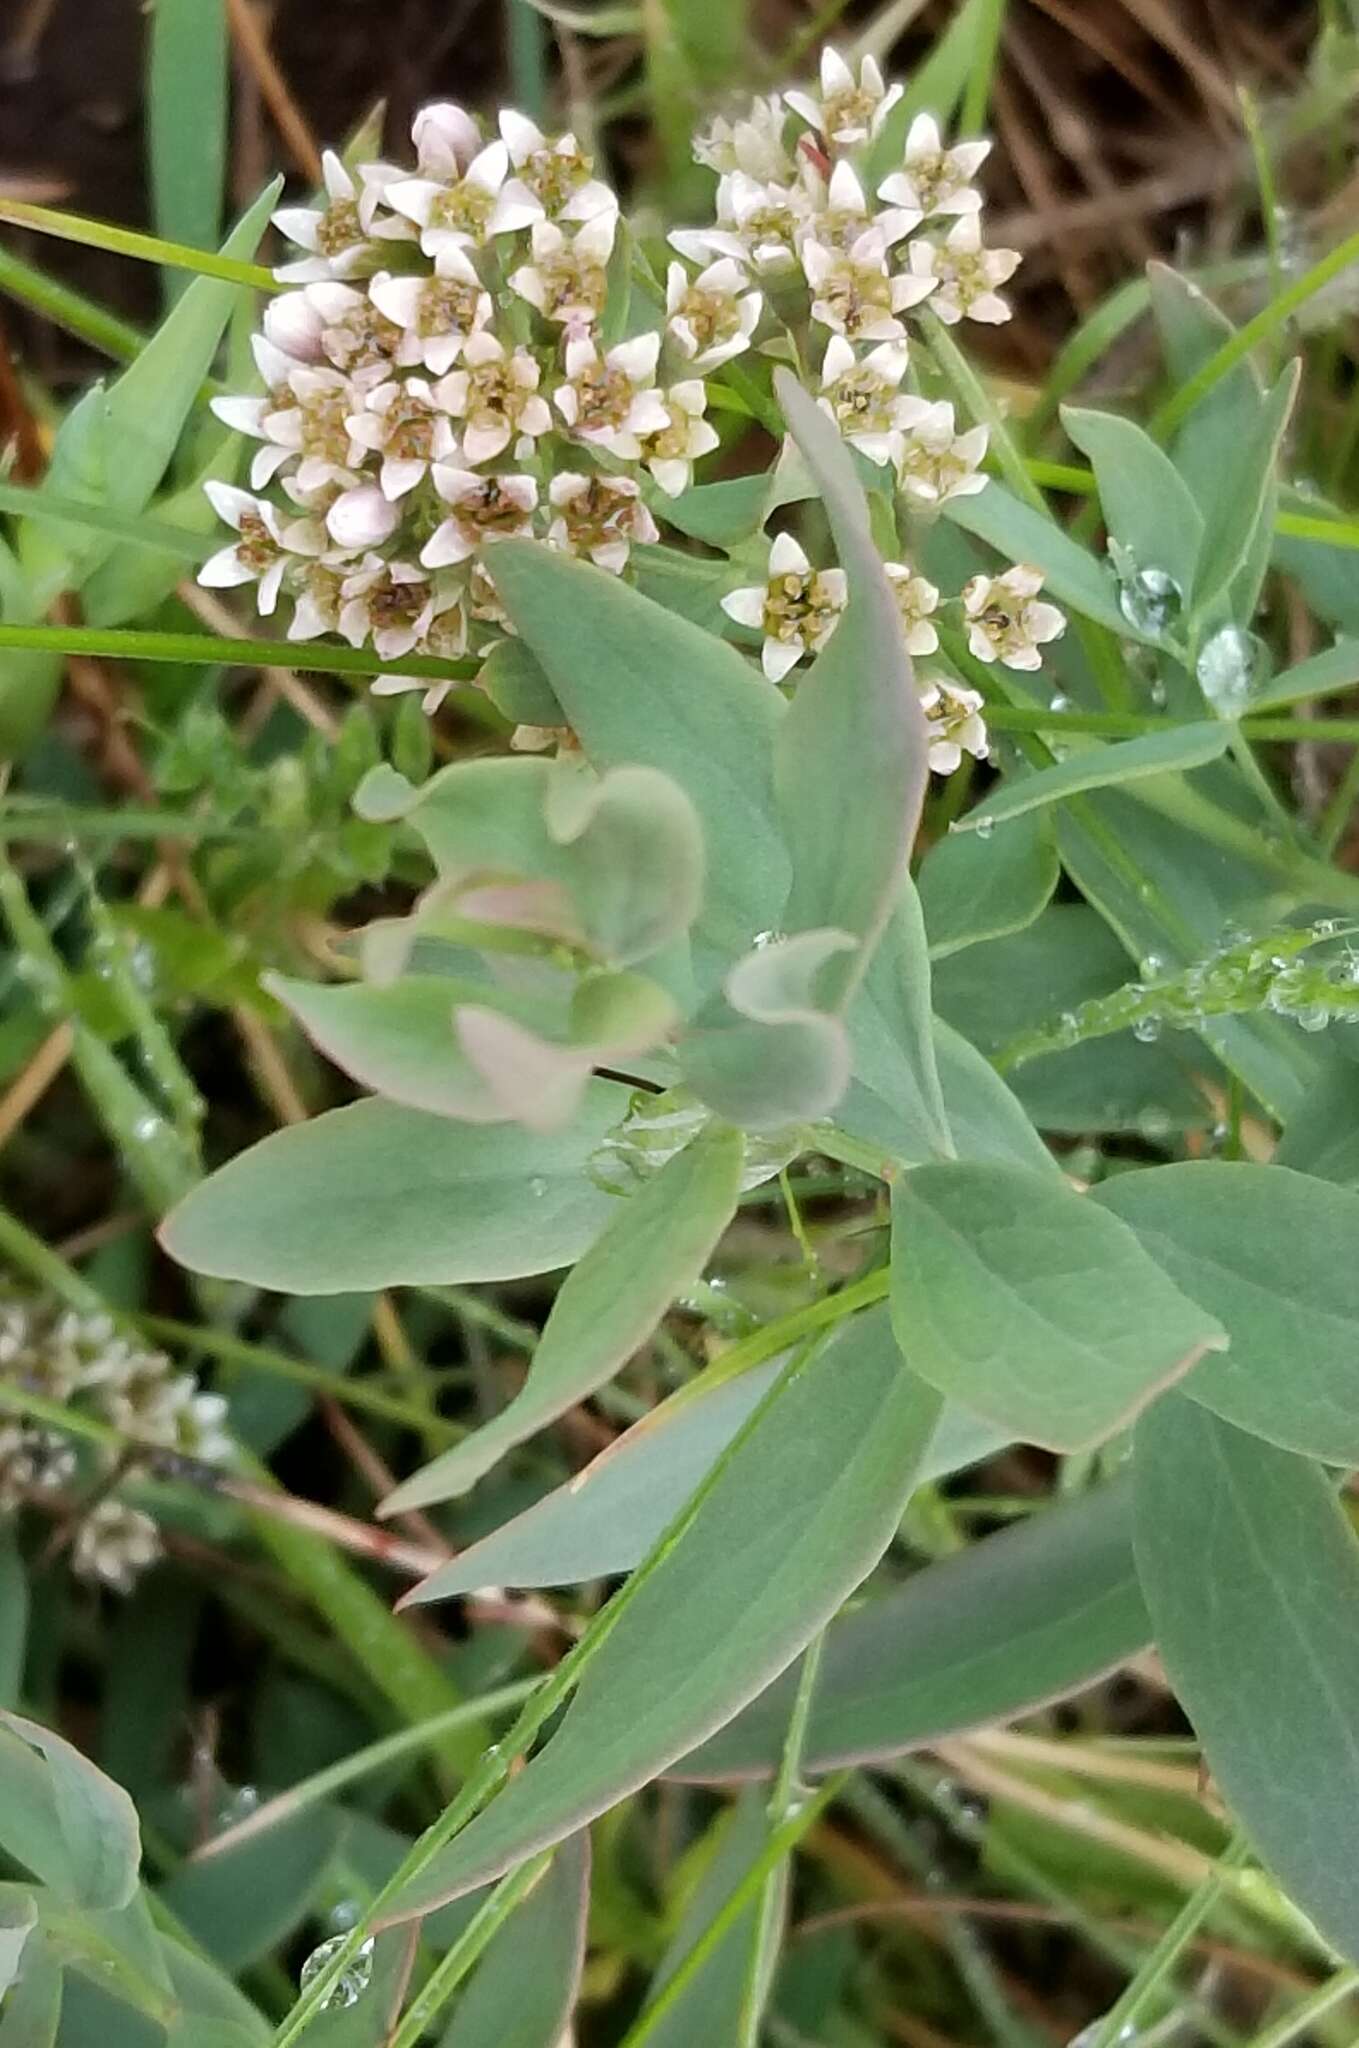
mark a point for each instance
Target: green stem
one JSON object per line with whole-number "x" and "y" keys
{"x": 1324, "y": 1999}
{"x": 972, "y": 116}
{"x": 783, "y": 1807}
{"x": 78, "y": 315}
{"x": 451, "y": 1968}
{"x": 1145, "y": 1988}
{"x": 119, "y": 643}
{"x": 99, "y": 234}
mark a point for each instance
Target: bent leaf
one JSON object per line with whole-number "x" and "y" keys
{"x": 1012, "y": 1294}
{"x": 380, "y": 1196}
{"x": 1271, "y": 1254}
{"x": 65, "y": 1819}
{"x": 1024, "y": 1617}
{"x": 973, "y": 889}
{"x": 851, "y": 756}
{"x": 653, "y": 1248}
{"x": 1147, "y": 506}
{"x": 798, "y": 1512}
{"x": 1260, "y": 1635}
{"x": 767, "y": 1052}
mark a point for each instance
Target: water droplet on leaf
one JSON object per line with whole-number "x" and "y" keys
{"x": 1229, "y": 669}
{"x": 352, "y": 1981}
{"x": 1147, "y": 1030}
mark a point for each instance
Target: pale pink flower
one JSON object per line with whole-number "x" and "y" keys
{"x": 933, "y": 179}
{"x": 435, "y": 315}
{"x": 611, "y": 399}
{"x": 853, "y": 294}
{"x": 847, "y": 111}
{"x": 962, "y": 276}
{"x": 1005, "y": 620}
{"x": 467, "y": 211}
{"x": 934, "y": 461}
{"x": 481, "y": 509}
{"x": 495, "y": 394}
{"x": 568, "y": 279}
{"x": 599, "y": 516}
{"x": 553, "y": 177}
{"x": 713, "y": 316}
{"x": 672, "y": 450}
{"x": 797, "y": 608}
{"x": 264, "y": 547}
{"x": 406, "y": 424}
{"x": 956, "y": 726}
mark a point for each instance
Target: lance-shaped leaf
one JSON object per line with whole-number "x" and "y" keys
{"x": 1271, "y": 1254}
{"x": 851, "y": 756}
{"x": 1030, "y": 1615}
{"x": 1248, "y": 474}
{"x": 656, "y": 1245}
{"x": 1097, "y": 766}
{"x": 976, "y": 888}
{"x": 1251, "y": 1574}
{"x": 1148, "y": 508}
{"x": 380, "y": 1196}
{"x": 1012, "y": 1294}
{"x": 626, "y": 847}
{"x": 640, "y": 684}
{"x": 892, "y": 1037}
{"x": 525, "y": 1987}
{"x": 605, "y": 1519}
{"x": 794, "y": 1517}
{"x": 766, "y": 1051}
{"x": 65, "y": 1820}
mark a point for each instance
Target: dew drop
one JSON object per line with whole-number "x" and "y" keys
{"x": 1147, "y": 1030}
{"x": 984, "y": 827}
{"x": 352, "y": 1981}
{"x": 537, "y": 1187}
{"x": 1059, "y": 703}
{"x": 1229, "y": 670}
{"x": 1152, "y": 965}
{"x": 1149, "y": 599}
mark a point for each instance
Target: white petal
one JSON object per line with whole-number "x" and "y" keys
{"x": 990, "y": 309}
{"x": 923, "y": 137}
{"x": 244, "y": 415}
{"x": 745, "y": 606}
{"x": 399, "y": 477}
{"x": 787, "y": 557}
{"x": 228, "y": 503}
{"x": 838, "y": 358}
{"x": 301, "y": 224}
{"x": 362, "y": 518}
{"x": 777, "y": 657}
{"x": 836, "y": 75}
{"x": 271, "y": 582}
{"x": 489, "y": 168}
{"x": 446, "y": 545}
{"x": 338, "y": 183}
{"x": 481, "y": 444}
{"x": 414, "y": 197}
{"x": 224, "y": 571}
{"x": 846, "y": 193}
{"x": 398, "y": 298}
{"x": 637, "y": 358}
{"x": 522, "y": 136}
{"x": 672, "y": 476}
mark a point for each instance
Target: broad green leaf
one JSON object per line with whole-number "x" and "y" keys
{"x": 1021, "y": 1618}
{"x": 797, "y": 1513}
{"x": 31, "y": 2010}
{"x": 514, "y": 680}
{"x": 1271, "y": 1254}
{"x": 766, "y": 1052}
{"x": 1248, "y": 474}
{"x": 1022, "y": 534}
{"x": 605, "y": 1519}
{"x": 640, "y": 685}
{"x": 892, "y": 1038}
{"x": 1322, "y": 1135}
{"x": 851, "y": 756}
{"x": 87, "y": 1836}
{"x": 1100, "y": 766}
{"x": 709, "y": 2007}
{"x": 525, "y": 1987}
{"x": 986, "y": 1117}
{"x": 973, "y": 888}
{"x": 379, "y": 1196}
{"x": 244, "y": 1902}
{"x": 1147, "y": 506}
{"x": 722, "y": 514}
{"x": 1251, "y": 1575}
{"x": 654, "y": 1248}
{"x": 186, "y": 99}
{"x": 1192, "y": 329}
{"x": 1014, "y": 1296}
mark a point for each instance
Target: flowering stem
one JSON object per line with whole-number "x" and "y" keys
{"x": 98, "y": 234}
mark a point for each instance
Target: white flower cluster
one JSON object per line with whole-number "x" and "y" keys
{"x": 81, "y": 1362}
{"x": 441, "y": 378}
{"x": 445, "y": 370}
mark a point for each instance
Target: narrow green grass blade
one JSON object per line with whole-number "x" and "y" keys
{"x": 187, "y": 121}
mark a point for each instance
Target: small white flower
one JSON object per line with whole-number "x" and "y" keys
{"x": 841, "y": 214}
{"x": 956, "y": 725}
{"x": 713, "y": 316}
{"x": 294, "y": 323}
{"x": 435, "y": 315}
{"x": 568, "y": 279}
{"x": 917, "y": 601}
{"x": 263, "y": 547}
{"x": 361, "y": 518}
{"x": 933, "y": 179}
{"x": 863, "y": 396}
{"x": 611, "y": 400}
{"x": 934, "y": 461}
{"x": 446, "y": 140}
{"x": 384, "y": 602}
{"x": 847, "y": 111}
{"x": 759, "y": 224}
{"x": 407, "y": 425}
{"x": 753, "y": 144}
{"x": 469, "y": 211}
{"x": 852, "y": 293}
{"x": 481, "y": 509}
{"x": 319, "y": 601}
{"x": 442, "y": 630}
{"x": 797, "y": 609}
{"x": 555, "y": 178}
{"x": 1006, "y": 623}
{"x": 337, "y": 237}
{"x": 672, "y": 450}
{"x": 115, "y": 1544}
{"x": 599, "y": 516}
{"x": 301, "y": 419}
{"x": 963, "y": 274}
{"x": 495, "y": 394}
{"x": 353, "y": 335}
